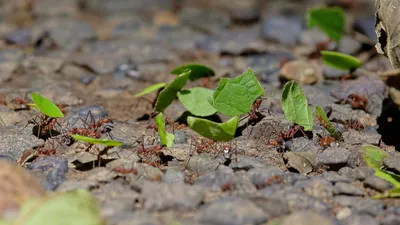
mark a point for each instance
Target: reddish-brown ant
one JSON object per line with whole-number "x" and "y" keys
{"x": 322, "y": 122}
{"x": 326, "y": 141}
{"x": 227, "y": 187}
{"x": 285, "y": 136}
{"x": 353, "y": 124}
{"x": 99, "y": 123}
{"x": 204, "y": 146}
{"x": 125, "y": 171}
{"x": 20, "y": 104}
{"x": 357, "y": 101}
{"x": 152, "y": 126}
{"x": 205, "y": 82}
{"x": 84, "y": 132}
{"x": 272, "y": 180}
{"x": 45, "y": 126}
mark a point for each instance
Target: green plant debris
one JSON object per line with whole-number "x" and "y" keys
{"x": 233, "y": 97}
{"x": 150, "y": 89}
{"x": 215, "y": 131}
{"x": 166, "y": 139}
{"x": 78, "y": 207}
{"x": 324, "y": 121}
{"x": 45, "y": 106}
{"x": 374, "y": 156}
{"x": 340, "y": 61}
{"x": 329, "y": 20}
{"x": 90, "y": 140}
{"x": 295, "y": 106}
{"x": 392, "y": 193}
{"x": 198, "y": 71}
{"x": 169, "y": 93}
{"x": 195, "y": 101}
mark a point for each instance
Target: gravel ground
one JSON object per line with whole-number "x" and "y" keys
{"x": 93, "y": 55}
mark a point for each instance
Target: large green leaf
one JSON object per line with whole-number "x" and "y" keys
{"x": 215, "y": 131}
{"x": 324, "y": 121}
{"x": 198, "y": 71}
{"x": 150, "y": 89}
{"x": 166, "y": 139}
{"x": 45, "y": 106}
{"x": 329, "y": 20}
{"x": 169, "y": 93}
{"x": 374, "y": 156}
{"x": 340, "y": 61}
{"x": 77, "y": 207}
{"x": 295, "y": 106}
{"x": 90, "y": 140}
{"x": 195, "y": 101}
{"x": 233, "y": 97}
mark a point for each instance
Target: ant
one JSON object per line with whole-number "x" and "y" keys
{"x": 205, "y": 82}
{"x": 285, "y": 136}
{"x": 270, "y": 181}
{"x": 97, "y": 124}
{"x": 326, "y": 141}
{"x": 227, "y": 187}
{"x": 357, "y": 101}
{"x": 84, "y": 132}
{"x": 19, "y": 104}
{"x": 125, "y": 171}
{"x": 351, "y": 124}
{"x": 255, "y": 108}
{"x": 322, "y": 122}
{"x": 45, "y": 126}
{"x": 203, "y": 146}
{"x": 152, "y": 126}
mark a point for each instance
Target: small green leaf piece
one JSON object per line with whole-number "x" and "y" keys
{"x": 233, "y": 97}
{"x": 295, "y": 106}
{"x": 167, "y": 139}
{"x": 324, "y": 121}
{"x": 340, "y": 61}
{"x": 392, "y": 193}
{"x": 329, "y": 20}
{"x": 46, "y": 107}
{"x": 90, "y": 140}
{"x": 169, "y": 93}
{"x": 374, "y": 156}
{"x": 195, "y": 101}
{"x": 78, "y": 207}
{"x": 150, "y": 89}
{"x": 215, "y": 131}
{"x": 198, "y": 71}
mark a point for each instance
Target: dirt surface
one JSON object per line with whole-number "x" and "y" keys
{"x": 94, "y": 55}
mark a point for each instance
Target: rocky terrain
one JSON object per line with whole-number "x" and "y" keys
{"x": 94, "y": 55}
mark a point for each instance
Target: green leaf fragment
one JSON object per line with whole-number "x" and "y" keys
{"x": 215, "y": 131}
{"x": 234, "y": 97}
{"x": 374, "y": 157}
{"x": 327, "y": 124}
{"x": 195, "y": 101}
{"x": 46, "y": 107}
{"x": 295, "y": 106}
{"x": 392, "y": 193}
{"x": 90, "y": 140}
{"x": 150, "y": 89}
{"x": 167, "y": 139}
{"x": 329, "y": 20}
{"x": 340, "y": 61}
{"x": 78, "y": 207}
{"x": 198, "y": 71}
{"x": 169, "y": 93}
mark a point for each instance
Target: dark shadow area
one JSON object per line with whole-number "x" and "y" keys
{"x": 44, "y": 134}
{"x": 183, "y": 118}
{"x": 389, "y": 123}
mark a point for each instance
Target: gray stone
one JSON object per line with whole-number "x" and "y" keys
{"x": 356, "y": 138}
{"x": 272, "y": 207}
{"x": 15, "y": 140}
{"x": 133, "y": 218}
{"x": 308, "y": 218}
{"x": 362, "y": 173}
{"x": 6, "y": 70}
{"x": 204, "y": 163}
{"x": 245, "y": 162}
{"x": 53, "y": 168}
{"x": 370, "y": 206}
{"x": 285, "y": 30}
{"x": 392, "y": 163}
{"x": 360, "y": 219}
{"x": 332, "y": 73}
{"x": 335, "y": 177}
{"x": 158, "y": 196}
{"x": 342, "y": 188}
{"x": 173, "y": 176}
{"x": 123, "y": 6}
{"x": 19, "y": 37}
{"x": 316, "y": 187}
{"x": 317, "y": 95}
{"x": 55, "y": 8}
{"x": 377, "y": 183}
{"x": 334, "y": 157}
{"x": 298, "y": 200}
{"x": 390, "y": 219}
{"x": 298, "y": 163}
{"x": 70, "y": 185}
{"x": 207, "y": 20}
{"x": 346, "y": 201}
{"x": 348, "y": 45}
{"x": 232, "y": 211}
